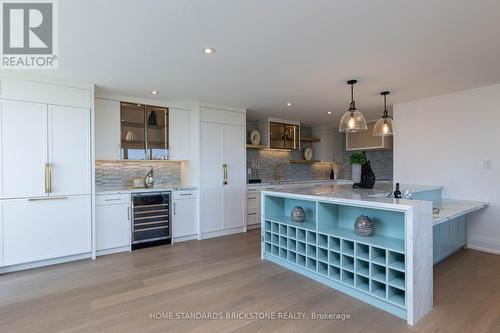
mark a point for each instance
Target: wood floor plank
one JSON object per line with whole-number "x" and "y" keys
{"x": 119, "y": 292}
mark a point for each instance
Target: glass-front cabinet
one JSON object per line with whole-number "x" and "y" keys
{"x": 144, "y": 132}
{"x": 283, "y": 136}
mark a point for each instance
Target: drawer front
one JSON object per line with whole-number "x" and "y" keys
{"x": 185, "y": 194}
{"x": 252, "y": 202}
{"x": 112, "y": 199}
{"x": 252, "y": 218}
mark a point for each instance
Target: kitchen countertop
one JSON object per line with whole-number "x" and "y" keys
{"x": 377, "y": 196}
{"x": 129, "y": 190}
{"x": 451, "y": 208}
{"x": 295, "y": 182}
{"x": 381, "y": 190}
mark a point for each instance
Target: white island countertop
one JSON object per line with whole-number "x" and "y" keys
{"x": 448, "y": 208}
{"x": 375, "y": 197}
{"x": 452, "y": 208}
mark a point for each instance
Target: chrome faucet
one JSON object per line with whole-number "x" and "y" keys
{"x": 149, "y": 180}
{"x": 278, "y": 176}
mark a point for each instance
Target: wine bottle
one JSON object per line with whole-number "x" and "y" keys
{"x": 397, "y": 193}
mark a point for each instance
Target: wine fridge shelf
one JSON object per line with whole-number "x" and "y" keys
{"x": 373, "y": 266}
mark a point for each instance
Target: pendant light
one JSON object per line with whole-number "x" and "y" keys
{"x": 352, "y": 120}
{"x": 384, "y": 126}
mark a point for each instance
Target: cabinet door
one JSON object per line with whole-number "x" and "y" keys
{"x": 157, "y": 132}
{"x": 184, "y": 218}
{"x": 234, "y": 155}
{"x": 212, "y": 171}
{"x": 45, "y": 229}
{"x": 112, "y": 226}
{"x": 69, "y": 150}
{"x": 212, "y": 175}
{"x": 179, "y": 135}
{"x": 235, "y": 189}
{"x": 107, "y": 129}
{"x": 234, "y": 207}
{"x": 23, "y": 149}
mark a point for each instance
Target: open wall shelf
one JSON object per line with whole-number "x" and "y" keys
{"x": 326, "y": 247}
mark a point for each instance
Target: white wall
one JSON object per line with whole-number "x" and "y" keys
{"x": 446, "y": 140}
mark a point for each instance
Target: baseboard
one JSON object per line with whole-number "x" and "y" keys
{"x": 184, "y": 238}
{"x": 114, "y": 250}
{"x": 484, "y": 244}
{"x": 253, "y": 226}
{"x": 42, "y": 263}
{"x": 220, "y": 233}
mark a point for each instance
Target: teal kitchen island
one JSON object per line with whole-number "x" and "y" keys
{"x": 393, "y": 269}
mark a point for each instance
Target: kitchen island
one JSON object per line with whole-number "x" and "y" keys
{"x": 391, "y": 270}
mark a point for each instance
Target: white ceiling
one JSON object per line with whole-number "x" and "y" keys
{"x": 270, "y": 52}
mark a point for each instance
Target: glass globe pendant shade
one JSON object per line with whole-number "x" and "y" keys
{"x": 384, "y": 127}
{"x": 353, "y": 121}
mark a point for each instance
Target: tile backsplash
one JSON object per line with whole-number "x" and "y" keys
{"x": 381, "y": 161}
{"x": 111, "y": 175}
{"x": 268, "y": 159}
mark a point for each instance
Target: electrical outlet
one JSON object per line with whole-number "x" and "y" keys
{"x": 487, "y": 164}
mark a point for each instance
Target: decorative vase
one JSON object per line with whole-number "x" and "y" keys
{"x": 356, "y": 173}
{"x": 254, "y": 137}
{"x": 364, "y": 226}
{"x": 298, "y": 214}
{"x": 308, "y": 154}
{"x": 367, "y": 176}
{"x": 152, "y": 118}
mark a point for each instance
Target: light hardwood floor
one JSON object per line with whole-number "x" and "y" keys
{"x": 117, "y": 293}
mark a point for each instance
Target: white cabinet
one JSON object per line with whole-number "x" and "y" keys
{"x": 23, "y": 149}
{"x": 45, "y": 228}
{"x": 45, "y": 182}
{"x": 184, "y": 215}
{"x": 366, "y": 141}
{"x": 107, "y": 129}
{"x": 113, "y": 226}
{"x": 329, "y": 148}
{"x": 69, "y": 150}
{"x": 223, "y": 165}
{"x": 178, "y": 137}
{"x": 45, "y": 150}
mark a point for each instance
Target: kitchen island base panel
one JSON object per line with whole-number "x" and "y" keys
{"x": 387, "y": 270}
{"x": 328, "y": 281}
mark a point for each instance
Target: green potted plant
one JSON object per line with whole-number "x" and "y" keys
{"x": 357, "y": 160}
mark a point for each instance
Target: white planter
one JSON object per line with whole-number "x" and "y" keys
{"x": 356, "y": 173}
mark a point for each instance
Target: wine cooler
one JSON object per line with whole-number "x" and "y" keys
{"x": 151, "y": 219}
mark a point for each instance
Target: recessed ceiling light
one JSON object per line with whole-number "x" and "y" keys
{"x": 288, "y": 104}
{"x": 209, "y": 50}
{"x": 329, "y": 112}
{"x": 139, "y": 105}
{"x": 154, "y": 92}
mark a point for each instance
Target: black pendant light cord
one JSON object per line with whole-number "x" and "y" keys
{"x": 352, "y": 107}
{"x": 386, "y": 113}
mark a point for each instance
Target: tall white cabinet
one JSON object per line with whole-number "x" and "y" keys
{"x": 223, "y": 164}
{"x": 46, "y": 172}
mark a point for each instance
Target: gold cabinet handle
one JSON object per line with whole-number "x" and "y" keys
{"x": 46, "y": 178}
{"x": 48, "y": 198}
{"x": 50, "y": 177}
